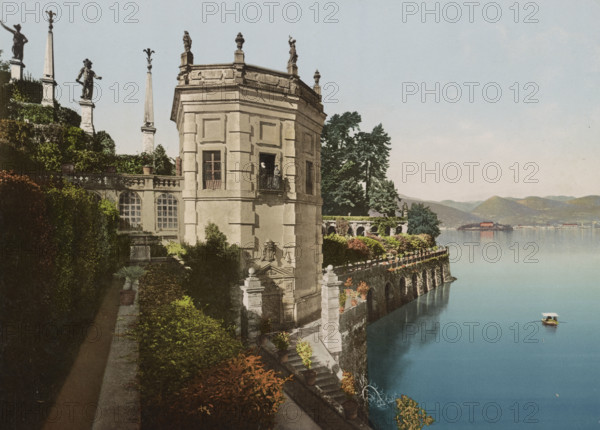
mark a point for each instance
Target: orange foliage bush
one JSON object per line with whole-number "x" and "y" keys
{"x": 238, "y": 393}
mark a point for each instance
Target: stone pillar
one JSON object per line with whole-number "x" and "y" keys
{"x": 48, "y": 81}
{"x": 330, "y": 312}
{"x": 148, "y": 129}
{"x": 87, "y": 116}
{"x": 252, "y": 300}
{"x": 446, "y": 271}
{"x": 16, "y": 70}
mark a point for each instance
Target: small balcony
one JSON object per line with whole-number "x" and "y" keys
{"x": 270, "y": 183}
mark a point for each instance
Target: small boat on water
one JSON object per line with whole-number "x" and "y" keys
{"x": 550, "y": 318}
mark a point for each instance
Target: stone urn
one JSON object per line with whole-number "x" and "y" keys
{"x": 127, "y": 297}
{"x": 350, "y": 409}
{"x": 310, "y": 377}
{"x": 283, "y": 356}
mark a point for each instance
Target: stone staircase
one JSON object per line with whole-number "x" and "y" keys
{"x": 327, "y": 382}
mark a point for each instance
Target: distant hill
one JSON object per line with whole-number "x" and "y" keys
{"x": 541, "y": 204}
{"x": 503, "y": 211}
{"x": 461, "y": 206}
{"x": 559, "y": 198}
{"x": 586, "y": 202}
{"x": 449, "y": 216}
{"x": 531, "y": 210}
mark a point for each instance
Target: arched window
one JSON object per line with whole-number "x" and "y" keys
{"x": 130, "y": 209}
{"x": 166, "y": 212}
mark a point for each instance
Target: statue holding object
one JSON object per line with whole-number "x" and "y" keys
{"x": 19, "y": 40}
{"x": 88, "y": 80}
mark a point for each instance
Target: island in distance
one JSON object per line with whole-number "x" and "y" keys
{"x": 485, "y": 226}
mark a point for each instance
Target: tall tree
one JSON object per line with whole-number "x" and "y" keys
{"x": 163, "y": 165}
{"x": 384, "y": 197}
{"x": 341, "y": 189}
{"x": 372, "y": 154}
{"x": 421, "y": 220}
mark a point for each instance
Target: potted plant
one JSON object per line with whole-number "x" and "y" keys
{"x": 265, "y": 327}
{"x": 363, "y": 289}
{"x": 349, "y": 388}
{"x": 131, "y": 274}
{"x": 282, "y": 343}
{"x": 304, "y": 350}
{"x": 342, "y": 299}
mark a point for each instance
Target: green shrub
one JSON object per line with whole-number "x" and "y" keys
{"x": 215, "y": 267}
{"x": 67, "y": 116}
{"x": 31, "y": 112}
{"x": 177, "y": 341}
{"x": 175, "y": 248}
{"x": 305, "y": 352}
{"x": 334, "y": 250}
{"x": 376, "y": 249}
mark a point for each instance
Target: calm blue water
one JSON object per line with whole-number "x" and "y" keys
{"x": 473, "y": 352}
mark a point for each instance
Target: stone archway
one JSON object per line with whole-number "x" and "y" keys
{"x": 350, "y": 232}
{"x": 360, "y": 231}
{"x": 331, "y": 229}
{"x": 425, "y": 282}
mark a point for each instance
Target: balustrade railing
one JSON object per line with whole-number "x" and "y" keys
{"x": 393, "y": 262}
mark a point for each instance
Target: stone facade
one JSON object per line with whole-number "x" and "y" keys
{"x": 145, "y": 195}
{"x": 250, "y": 151}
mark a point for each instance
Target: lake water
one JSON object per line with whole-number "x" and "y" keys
{"x": 474, "y": 353}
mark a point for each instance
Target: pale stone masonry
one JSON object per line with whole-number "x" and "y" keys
{"x": 250, "y": 150}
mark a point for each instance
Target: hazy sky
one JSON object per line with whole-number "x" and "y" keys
{"x": 485, "y": 98}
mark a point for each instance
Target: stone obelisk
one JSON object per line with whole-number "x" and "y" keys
{"x": 148, "y": 129}
{"x": 48, "y": 82}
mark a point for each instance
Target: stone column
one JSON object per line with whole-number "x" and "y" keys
{"x": 87, "y": 116}
{"x": 446, "y": 271}
{"x": 148, "y": 129}
{"x": 48, "y": 81}
{"x": 252, "y": 300}
{"x": 330, "y": 312}
{"x": 16, "y": 70}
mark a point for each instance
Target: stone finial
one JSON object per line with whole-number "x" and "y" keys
{"x": 251, "y": 272}
{"x": 187, "y": 42}
{"x": 149, "y": 53}
{"x": 51, "y": 16}
{"x": 292, "y": 67}
{"x": 329, "y": 268}
{"x": 240, "y": 41}
{"x": 239, "y": 54}
{"x": 317, "y": 87}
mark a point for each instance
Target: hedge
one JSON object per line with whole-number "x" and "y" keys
{"x": 60, "y": 247}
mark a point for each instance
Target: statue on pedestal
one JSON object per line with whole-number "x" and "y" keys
{"x": 88, "y": 80}
{"x": 187, "y": 41}
{"x": 19, "y": 40}
{"x": 293, "y": 55}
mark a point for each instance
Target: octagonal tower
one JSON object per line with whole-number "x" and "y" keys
{"x": 250, "y": 150}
